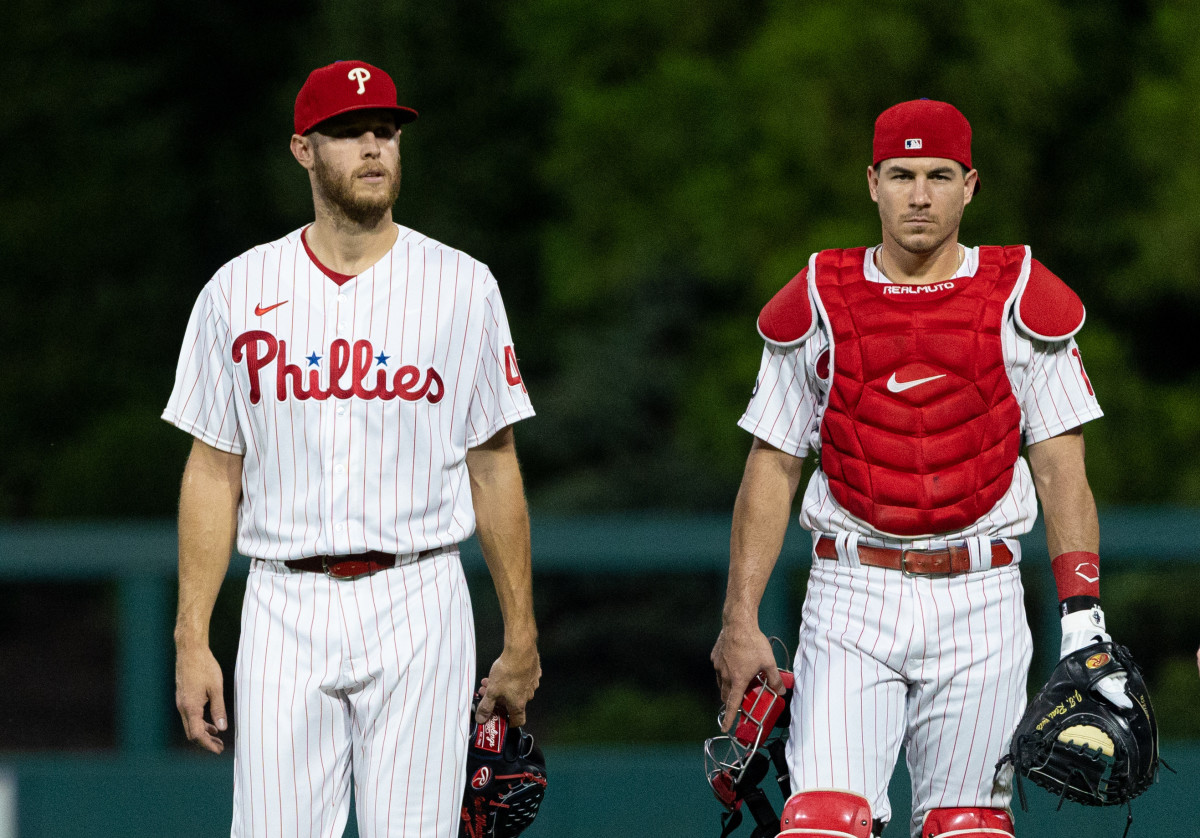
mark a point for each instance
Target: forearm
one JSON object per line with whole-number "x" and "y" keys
{"x": 1067, "y": 503}
{"x": 208, "y": 501}
{"x": 1072, "y": 536}
{"x": 760, "y": 519}
{"x": 504, "y": 539}
{"x": 502, "y": 526}
{"x": 1072, "y": 522}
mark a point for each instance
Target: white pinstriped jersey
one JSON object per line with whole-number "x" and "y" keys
{"x": 353, "y": 405}
{"x": 1047, "y": 379}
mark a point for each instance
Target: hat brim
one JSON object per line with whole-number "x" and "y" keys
{"x": 403, "y": 115}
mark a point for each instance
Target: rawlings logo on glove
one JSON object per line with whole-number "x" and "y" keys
{"x": 506, "y": 780}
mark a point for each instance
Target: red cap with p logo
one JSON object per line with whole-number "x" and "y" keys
{"x": 346, "y": 86}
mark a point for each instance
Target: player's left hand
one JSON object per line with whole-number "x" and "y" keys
{"x": 1083, "y": 628}
{"x": 511, "y": 683}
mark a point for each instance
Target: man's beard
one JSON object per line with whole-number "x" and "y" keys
{"x": 364, "y": 210}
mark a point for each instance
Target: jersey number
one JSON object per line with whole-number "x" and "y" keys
{"x": 511, "y": 373}
{"x": 1079, "y": 358}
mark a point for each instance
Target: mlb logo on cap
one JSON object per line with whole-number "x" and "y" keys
{"x": 922, "y": 128}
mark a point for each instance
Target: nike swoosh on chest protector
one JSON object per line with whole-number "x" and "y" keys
{"x": 895, "y": 386}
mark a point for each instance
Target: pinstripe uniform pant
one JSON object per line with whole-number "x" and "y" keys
{"x": 363, "y": 680}
{"x": 936, "y": 664}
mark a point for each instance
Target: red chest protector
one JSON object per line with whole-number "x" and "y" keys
{"x": 922, "y": 430}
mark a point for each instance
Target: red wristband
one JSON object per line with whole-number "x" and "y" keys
{"x": 1077, "y": 574}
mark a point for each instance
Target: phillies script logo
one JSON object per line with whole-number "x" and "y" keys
{"x": 349, "y": 367}
{"x": 489, "y": 736}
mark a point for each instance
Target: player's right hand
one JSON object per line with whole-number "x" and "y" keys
{"x": 740, "y": 653}
{"x": 198, "y": 683}
{"x": 511, "y": 683}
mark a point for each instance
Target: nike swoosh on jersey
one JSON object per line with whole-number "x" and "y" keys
{"x": 260, "y": 309}
{"x": 895, "y": 386}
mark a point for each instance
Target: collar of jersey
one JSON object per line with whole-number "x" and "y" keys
{"x": 340, "y": 279}
{"x": 969, "y": 265}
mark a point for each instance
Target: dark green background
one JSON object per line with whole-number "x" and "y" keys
{"x": 641, "y": 175}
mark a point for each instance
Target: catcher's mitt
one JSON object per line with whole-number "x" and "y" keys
{"x": 1074, "y": 743}
{"x": 506, "y": 780}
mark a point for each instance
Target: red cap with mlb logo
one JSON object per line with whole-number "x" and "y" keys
{"x": 345, "y": 86}
{"x": 923, "y": 128}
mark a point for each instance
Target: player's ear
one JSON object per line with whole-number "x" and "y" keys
{"x": 302, "y": 150}
{"x": 873, "y": 183}
{"x": 969, "y": 180}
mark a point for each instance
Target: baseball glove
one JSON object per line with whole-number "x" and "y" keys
{"x": 506, "y": 780}
{"x": 1080, "y": 746}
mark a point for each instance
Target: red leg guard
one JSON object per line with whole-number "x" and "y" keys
{"x": 967, "y": 823}
{"x": 826, "y": 814}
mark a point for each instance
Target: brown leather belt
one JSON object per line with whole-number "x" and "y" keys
{"x": 947, "y": 560}
{"x": 353, "y": 565}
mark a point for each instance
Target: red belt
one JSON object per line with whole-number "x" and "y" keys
{"x": 952, "y": 559}
{"x": 353, "y": 565}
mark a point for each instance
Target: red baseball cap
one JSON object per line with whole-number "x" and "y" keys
{"x": 923, "y": 128}
{"x": 345, "y": 86}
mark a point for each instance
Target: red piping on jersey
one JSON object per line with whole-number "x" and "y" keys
{"x": 340, "y": 279}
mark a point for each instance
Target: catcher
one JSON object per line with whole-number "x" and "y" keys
{"x": 918, "y": 370}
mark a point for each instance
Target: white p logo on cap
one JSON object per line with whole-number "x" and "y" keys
{"x": 909, "y": 145}
{"x": 361, "y": 74}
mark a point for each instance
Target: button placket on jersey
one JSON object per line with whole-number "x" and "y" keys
{"x": 338, "y": 414}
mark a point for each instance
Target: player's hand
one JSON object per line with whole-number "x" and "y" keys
{"x": 1083, "y": 628}
{"x": 198, "y": 683}
{"x": 741, "y": 652}
{"x": 511, "y": 683}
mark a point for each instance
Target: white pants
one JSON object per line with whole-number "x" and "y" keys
{"x": 367, "y": 679}
{"x": 936, "y": 664}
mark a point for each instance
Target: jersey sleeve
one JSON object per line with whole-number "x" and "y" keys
{"x": 499, "y": 397}
{"x": 202, "y": 402}
{"x": 782, "y": 407}
{"x": 1057, "y": 394}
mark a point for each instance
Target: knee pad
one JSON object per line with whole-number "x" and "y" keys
{"x": 967, "y": 823}
{"x": 826, "y": 813}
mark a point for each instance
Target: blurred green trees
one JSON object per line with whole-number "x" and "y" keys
{"x": 641, "y": 175}
{"x": 701, "y": 152}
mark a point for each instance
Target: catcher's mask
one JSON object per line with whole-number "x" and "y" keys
{"x": 737, "y": 763}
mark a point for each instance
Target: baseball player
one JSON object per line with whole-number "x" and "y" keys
{"x": 916, "y": 370}
{"x": 351, "y": 389}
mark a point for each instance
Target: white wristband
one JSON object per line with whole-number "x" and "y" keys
{"x": 1083, "y": 628}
